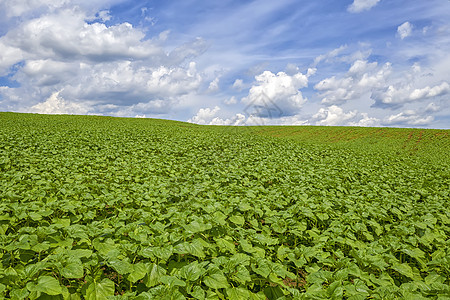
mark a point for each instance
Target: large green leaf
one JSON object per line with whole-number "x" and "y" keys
{"x": 192, "y": 272}
{"x": 238, "y": 293}
{"x": 48, "y": 285}
{"x": 100, "y": 290}
{"x": 138, "y": 272}
{"x": 403, "y": 269}
{"x": 216, "y": 281}
{"x": 154, "y": 274}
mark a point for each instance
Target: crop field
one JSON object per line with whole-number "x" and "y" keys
{"x": 114, "y": 208}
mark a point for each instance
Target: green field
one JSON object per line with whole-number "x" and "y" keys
{"x": 94, "y": 207}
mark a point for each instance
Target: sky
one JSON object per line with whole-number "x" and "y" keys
{"x": 229, "y": 62}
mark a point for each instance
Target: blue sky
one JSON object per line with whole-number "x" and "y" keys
{"x": 356, "y": 62}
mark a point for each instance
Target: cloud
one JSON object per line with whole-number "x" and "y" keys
{"x": 332, "y": 116}
{"x": 404, "y": 30}
{"x": 394, "y": 96}
{"x": 361, "y": 78}
{"x": 214, "y": 85}
{"x": 237, "y": 120}
{"x": 408, "y": 118}
{"x": 204, "y": 116}
{"x": 65, "y": 35}
{"x": 277, "y": 91}
{"x": 231, "y": 101}
{"x": 332, "y": 54}
{"x": 366, "y": 121}
{"x": 362, "y": 5}
{"x": 432, "y": 107}
{"x": 207, "y": 116}
{"x": 238, "y": 84}
{"x": 57, "y": 105}
{"x": 90, "y": 62}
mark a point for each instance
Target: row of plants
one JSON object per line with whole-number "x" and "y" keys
{"x": 98, "y": 208}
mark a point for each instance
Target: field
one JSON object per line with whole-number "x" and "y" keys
{"x": 94, "y": 207}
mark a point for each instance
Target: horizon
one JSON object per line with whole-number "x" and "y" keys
{"x": 371, "y": 63}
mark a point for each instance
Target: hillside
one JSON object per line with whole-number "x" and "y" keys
{"x": 92, "y": 207}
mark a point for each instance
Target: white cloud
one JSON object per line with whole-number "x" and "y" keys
{"x": 404, "y": 30}
{"x": 432, "y": 107}
{"x": 94, "y": 63}
{"x": 238, "y": 84}
{"x": 57, "y": 105}
{"x": 277, "y": 91}
{"x": 18, "y": 8}
{"x": 366, "y": 121}
{"x": 360, "y": 79}
{"x": 404, "y": 92}
{"x": 231, "y": 101}
{"x": 104, "y": 15}
{"x": 409, "y": 118}
{"x": 237, "y": 120}
{"x": 333, "y": 115}
{"x": 207, "y": 116}
{"x": 428, "y": 92}
{"x": 214, "y": 85}
{"x": 332, "y": 54}
{"x": 204, "y": 116}
{"x": 361, "y": 5}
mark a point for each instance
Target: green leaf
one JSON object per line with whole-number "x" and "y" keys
{"x": 154, "y": 274}
{"x": 48, "y": 285}
{"x": 19, "y": 293}
{"x": 73, "y": 270}
{"x": 238, "y": 293}
{"x": 273, "y": 293}
{"x": 196, "y": 226}
{"x": 172, "y": 281}
{"x": 238, "y": 220}
{"x": 262, "y": 268}
{"x": 192, "y": 272}
{"x": 195, "y": 248}
{"x": 403, "y": 269}
{"x": 242, "y": 275}
{"x": 226, "y": 245}
{"x": 219, "y": 218}
{"x": 121, "y": 266}
{"x": 198, "y": 293}
{"x": 100, "y": 290}
{"x": 138, "y": 272}
{"x": 216, "y": 281}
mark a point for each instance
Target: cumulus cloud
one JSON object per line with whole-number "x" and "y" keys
{"x": 366, "y": 121}
{"x": 238, "y": 84}
{"x": 204, "y": 116}
{"x": 404, "y": 30}
{"x": 277, "y": 91}
{"x": 362, "y": 5}
{"x": 237, "y": 120}
{"x": 361, "y": 78}
{"x": 90, "y": 62}
{"x": 65, "y": 35}
{"x": 208, "y": 116}
{"x": 231, "y": 101}
{"x": 333, "y": 115}
{"x": 408, "y": 118}
{"x": 57, "y": 105}
{"x": 396, "y": 95}
{"x": 214, "y": 85}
